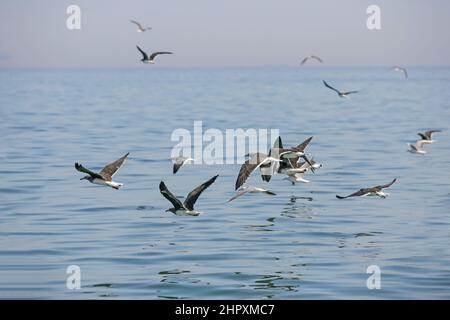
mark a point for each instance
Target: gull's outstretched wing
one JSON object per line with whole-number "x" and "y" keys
{"x": 144, "y": 55}
{"x": 248, "y": 167}
{"x": 278, "y": 144}
{"x": 302, "y": 146}
{"x": 304, "y": 60}
{"x": 429, "y": 133}
{"x": 194, "y": 194}
{"x": 169, "y": 196}
{"x": 330, "y": 87}
{"x": 423, "y": 136}
{"x": 358, "y": 193}
{"x": 154, "y": 54}
{"x": 386, "y": 185}
{"x": 350, "y": 92}
{"x": 138, "y": 24}
{"x": 238, "y": 194}
{"x": 317, "y": 58}
{"x": 110, "y": 170}
{"x": 93, "y": 174}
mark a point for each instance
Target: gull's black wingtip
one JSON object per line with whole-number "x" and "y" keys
{"x": 339, "y": 197}
{"x": 162, "y": 186}
{"x": 175, "y": 169}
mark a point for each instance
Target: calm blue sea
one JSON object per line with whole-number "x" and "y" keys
{"x": 301, "y": 244}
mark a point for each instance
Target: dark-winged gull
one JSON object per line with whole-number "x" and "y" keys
{"x": 104, "y": 177}
{"x": 374, "y": 191}
{"x": 340, "y": 93}
{"x": 249, "y": 189}
{"x": 255, "y": 161}
{"x": 311, "y": 56}
{"x": 179, "y": 161}
{"x": 186, "y": 208}
{"x": 140, "y": 28}
{"x": 146, "y": 59}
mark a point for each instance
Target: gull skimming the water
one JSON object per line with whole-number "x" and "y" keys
{"x": 146, "y": 59}
{"x": 104, "y": 177}
{"x": 255, "y": 161}
{"x": 186, "y": 208}
{"x": 417, "y": 147}
{"x": 374, "y": 191}
{"x": 311, "y": 57}
{"x": 340, "y": 94}
{"x": 179, "y": 162}
{"x": 245, "y": 190}
{"x": 296, "y": 173}
{"x": 290, "y": 157}
{"x": 400, "y": 69}
{"x": 140, "y": 28}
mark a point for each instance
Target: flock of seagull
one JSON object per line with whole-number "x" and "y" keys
{"x": 292, "y": 162}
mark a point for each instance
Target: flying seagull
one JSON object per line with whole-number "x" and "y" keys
{"x": 146, "y": 59}
{"x": 290, "y": 157}
{"x": 104, "y": 177}
{"x": 296, "y": 173}
{"x": 400, "y": 69}
{"x": 255, "y": 161}
{"x": 417, "y": 147}
{"x": 374, "y": 191}
{"x": 179, "y": 162}
{"x": 245, "y": 190}
{"x": 428, "y": 135}
{"x": 340, "y": 94}
{"x": 140, "y": 28}
{"x": 311, "y": 57}
{"x": 186, "y": 208}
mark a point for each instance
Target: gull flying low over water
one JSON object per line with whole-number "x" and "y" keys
{"x": 340, "y": 94}
{"x": 374, "y": 191}
{"x": 428, "y": 135}
{"x": 269, "y": 164}
{"x": 400, "y": 69}
{"x": 104, "y": 177}
{"x": 186, "y": 208}
{"x": 311, "y": 57}
{"x": 179, "y": 162}
{"x": 418, "y": 146}
{"x": 146, "y": 59}
{"x": 290, "y": 157}
{"x": 255, "y": 161}
{"x": 140, "y": 28}
{"x": 245, "y": 190}
{"x": 296, "y": 173}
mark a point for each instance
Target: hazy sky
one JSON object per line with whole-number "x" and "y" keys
{"x": 33, "y": 33}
